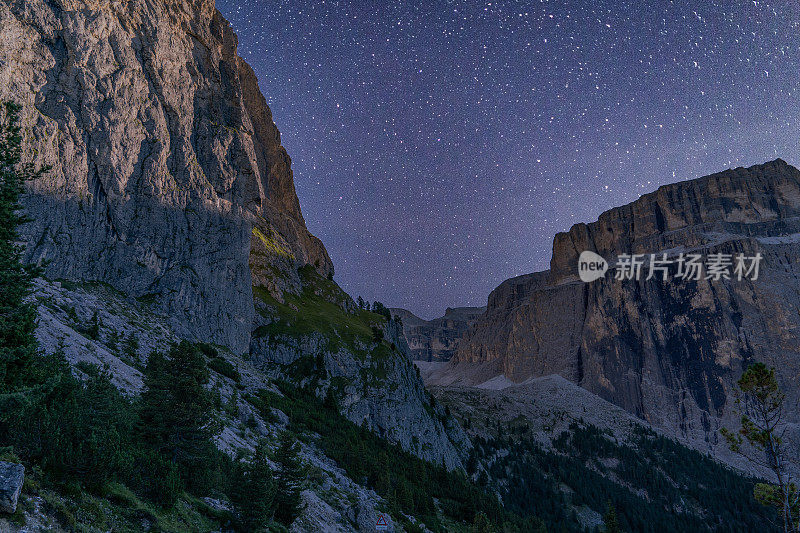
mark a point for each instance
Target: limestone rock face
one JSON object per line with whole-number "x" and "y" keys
{"x": 384, "y": 395}
{"x": 166, "y": 163}
{"x": 437, "y": 339}
{"x": 12, "y": 476}
{"x": 170, "y": 186}
{"x": 669, "y": 351}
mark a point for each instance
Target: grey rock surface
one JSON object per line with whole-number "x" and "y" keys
{"x": 169, "y": 199}
{"x": 437, "y": 339}
{"x": 169, "y": 185}
{"x": 65, "y": 309}
{"x": 671, "y": 351}
{"x": 12, "y": 475}
{"x": 129, "y": 330}
{"x": 550, "y": 404}
{"x": 386, "y": 395}
{"x": 164, "y": 157}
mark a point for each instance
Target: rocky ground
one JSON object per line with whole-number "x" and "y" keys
{"x": 333, "y": 502}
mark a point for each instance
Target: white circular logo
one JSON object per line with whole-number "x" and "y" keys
{"x": 591, "y": 266}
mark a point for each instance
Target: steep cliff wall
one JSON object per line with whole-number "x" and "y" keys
{"x": 667, "y": 351}
{"x": 169, "y": 183}
{"x": 437, "y": 339}
{"x": 164, "y": 157}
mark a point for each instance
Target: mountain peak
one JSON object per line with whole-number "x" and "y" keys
{"x": 164, "y": 158}
{"x": 669, "y": 351}
{"x": 663, "y": 218}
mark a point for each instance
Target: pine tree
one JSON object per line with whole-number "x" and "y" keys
{"x": 481, "y": 524}
{"x": 288, "y": 480}
{"x": 94, "y": 327}
{"x": 176, "y": 411}
{"x": 255, "y": 494}
{"x": 762, "y": 405}
{"x": 17, "y": 318}
{"x": 331, "y": 403}
{"x": 610, "y": 520}
{"x": 112, "y": 341}
{"x": 131, "y": 348}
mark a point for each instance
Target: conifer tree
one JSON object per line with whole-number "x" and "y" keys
{"x": 288, "y": 481}
{"x": 131, "y": 347}
{"x": 176, "y": 410}
{"x": 610, "y": 520}
{"x": 255, "y": 493}
{"x": 762, "y": 406}
{"x": 94, "y": 327}
{"x": 481, "y": 524}
{"x": 17, "y": 318}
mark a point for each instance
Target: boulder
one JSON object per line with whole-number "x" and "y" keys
{"x": 11, "y": 477}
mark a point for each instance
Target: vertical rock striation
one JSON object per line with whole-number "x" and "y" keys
{"x": 169, "y": 183}
{"x": 164, "y": 157}
{"x": 437, "y": 339}
{"x": 668, "y": 351}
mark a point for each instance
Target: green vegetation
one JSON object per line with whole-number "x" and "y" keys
{"x": 408, "y": 483}
{"x": 93, "y": 455}
{"x": 226, "y": 368}
{"x": 17, "y": 319}
{"x": 610, "y": 520}
{"x": 255, "y": 491}
{"x": 131, "y": 347}
{"x": 290, "y": 478}
{"x": 94, "y": 327}
{"x": 685, "y": 490}
{"x": 320, "y": 310}
{"x": 174, "y": 421}
{"x": 761, "y": 404}
{"x": 97, "y": 457}
{"x": 271, "y": 244}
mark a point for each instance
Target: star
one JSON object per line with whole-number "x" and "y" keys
{"x": 437, "y": 147}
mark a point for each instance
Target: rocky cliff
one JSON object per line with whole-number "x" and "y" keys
{"x": 166, "y": 164}
{"x": 169, "y": 187}
{"x": 437, "y": 339}
{"x": 666, "y": 351}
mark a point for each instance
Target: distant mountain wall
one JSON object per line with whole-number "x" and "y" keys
{"x": 670, "y": 351}
{"x": 437, "y": 339}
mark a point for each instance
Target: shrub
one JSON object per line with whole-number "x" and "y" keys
{"x": 225, "y": 368}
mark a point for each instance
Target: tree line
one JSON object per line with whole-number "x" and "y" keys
{"x": 78, "y": 430}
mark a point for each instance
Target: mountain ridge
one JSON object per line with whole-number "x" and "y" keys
{"x": 161, "y": 167}
{"x": 666, "y": 351}
{"x": 436, "y": 339}
{"x": 169, "y": 184}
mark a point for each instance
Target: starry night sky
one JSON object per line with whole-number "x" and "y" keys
{"x": 438, "y": 146}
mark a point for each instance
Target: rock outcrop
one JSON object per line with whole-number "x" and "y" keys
{"x": 437, "y": 339}
{"x": 667, "y": 351}
{"x": 65, "y": 311}
{"x": 372, "y": 379}
{"x": 169, "y": 184}
{"x": 12, "y": 475}
{"x": 166, "y": 164}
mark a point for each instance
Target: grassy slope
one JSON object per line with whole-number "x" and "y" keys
{"x": 319, "y": 310}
